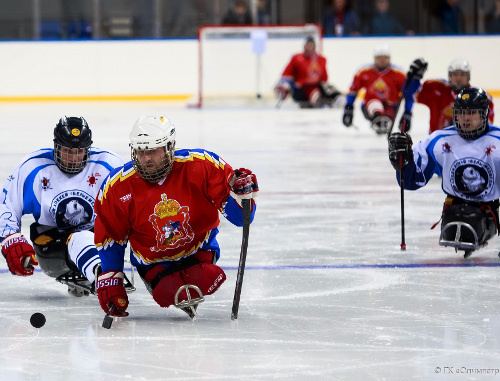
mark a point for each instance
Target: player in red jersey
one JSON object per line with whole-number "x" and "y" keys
{"x": 166, "y": 203}
{"x": 438, "y": 94}
{"x": 305, "y": 77}
{"x": 382, "y": 82}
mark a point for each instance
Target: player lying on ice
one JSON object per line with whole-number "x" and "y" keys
{"x": 166, "y": 203}
{"x": 58, "y": 187}
{"x": 466, "y": 157}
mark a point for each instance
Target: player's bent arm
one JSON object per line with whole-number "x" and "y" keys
{"x": 409, "y": 95}
{"x": 416, "y": 175}
{"x": 233, "y": 212}
{"x": 350, "y": 98}
{"x": 112, "y": 255}
{"x": 11, "y": 204}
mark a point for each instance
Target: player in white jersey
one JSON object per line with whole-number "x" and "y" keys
{"x": 58, "y": 187}
{"x": 468, "y": 160}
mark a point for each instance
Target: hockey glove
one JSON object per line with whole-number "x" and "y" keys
{"x": 19, "y": 255}
{"x": 348, "y": 115}
{"x": 417, "y": 68}
{"x": 111, "y": 292}
{"x": 400, "y": 145}
{"x": 282, "y": 89}
{"x": 405, "y": 122}
{"x": 243, "y": 185}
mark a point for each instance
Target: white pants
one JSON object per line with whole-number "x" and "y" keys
{"x": 83, "y": 253}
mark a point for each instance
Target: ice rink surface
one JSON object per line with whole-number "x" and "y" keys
{"x": 327, "y": 293}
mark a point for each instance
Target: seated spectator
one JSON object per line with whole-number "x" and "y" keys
{"x": 383, "y": 22}
{"x": 238, "y": 14}
{"x": 263, "y": 18}
{"x": 451, "y": 17}
{"x": 492, "y": 19}
{"x": 340, "y": 20}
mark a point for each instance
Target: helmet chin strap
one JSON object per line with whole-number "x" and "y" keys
{"x": 156, "y": 175}
{"x": 458, "y": 88}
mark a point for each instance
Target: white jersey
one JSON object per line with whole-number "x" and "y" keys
{"x": 56, "y": 199}
{"x": 469, "y": 168}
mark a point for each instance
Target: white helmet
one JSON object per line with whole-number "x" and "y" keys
{"x": 150, "y": 133}
{"x": 459, "y": 64}
{"x": 382, "y": 50}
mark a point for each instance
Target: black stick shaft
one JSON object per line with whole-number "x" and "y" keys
{"x": 400, "y": 100}
{"x": 243, "y": 256}
{"x": 108, "y": 320}
{"x": 402, "y": 185}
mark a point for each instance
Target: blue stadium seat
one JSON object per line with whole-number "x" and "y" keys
{"x": 79, "y": 29}
{"x": 51, "y": 30}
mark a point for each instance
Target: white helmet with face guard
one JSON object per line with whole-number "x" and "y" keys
{"x": 152, "y": 144}
{"x": 459, "y": 65}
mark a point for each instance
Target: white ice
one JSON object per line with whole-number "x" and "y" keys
{"x": 327, "y": 292}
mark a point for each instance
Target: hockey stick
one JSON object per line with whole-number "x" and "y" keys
{"x": 243, "y": 256}
{"x": 402, "y": 185}
{"x": 108, "y": 320}
{"x": 409, "y": 78}
{"x": 280, "y": 101}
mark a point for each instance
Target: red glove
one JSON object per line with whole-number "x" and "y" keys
{"x": 19, "y": 255}
{"x": 243, "y": 185}
{"x": 111, "y": 292}
{"x": 282, "y": 89}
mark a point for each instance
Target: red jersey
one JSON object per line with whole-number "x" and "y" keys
{"x": 439, "y": 97}
{"x": 306, "y": 70}
{"x": 384, "y": 85}
{"x": 166, "y": 221}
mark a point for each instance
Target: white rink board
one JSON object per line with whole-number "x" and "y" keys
{"x": 170, "y": 67}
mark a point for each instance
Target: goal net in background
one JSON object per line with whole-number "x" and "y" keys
{"x": 241, "y": 65}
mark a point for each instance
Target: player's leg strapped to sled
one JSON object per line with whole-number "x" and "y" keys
{"x": 467, "y": 225}
{"x": 61, "y": 256}
{"x": 380, "y": 116}
{"x": 315, "y": 96}
{"x": 183, "y": 283}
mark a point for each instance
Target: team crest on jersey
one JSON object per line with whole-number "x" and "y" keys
{"x": 73, "y": 210}
{"x": 171, "y": 223}
{"x": 45, "y": 183}
{"x": 446, "y": 148}
{"x": 92, "y": 180}
{"x": 471, "y": 178}
{"x": 380, "y": 88}
{"x": 490, "y": 149}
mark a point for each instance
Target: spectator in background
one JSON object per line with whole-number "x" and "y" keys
{"x": 492, "y": 19}
{"x": 340, "y": 20}
{"x": 263, "y": 18}
{"x": 383, "y": 22}
{"x": 238, "y": 14}
{"x": 451, "y": 17}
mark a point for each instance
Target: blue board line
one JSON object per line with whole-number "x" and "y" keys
{"x": 333, "y": 267}
{"x": 359, "y": 266}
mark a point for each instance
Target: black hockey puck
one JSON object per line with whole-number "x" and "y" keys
{"x": 37, "y": 320}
